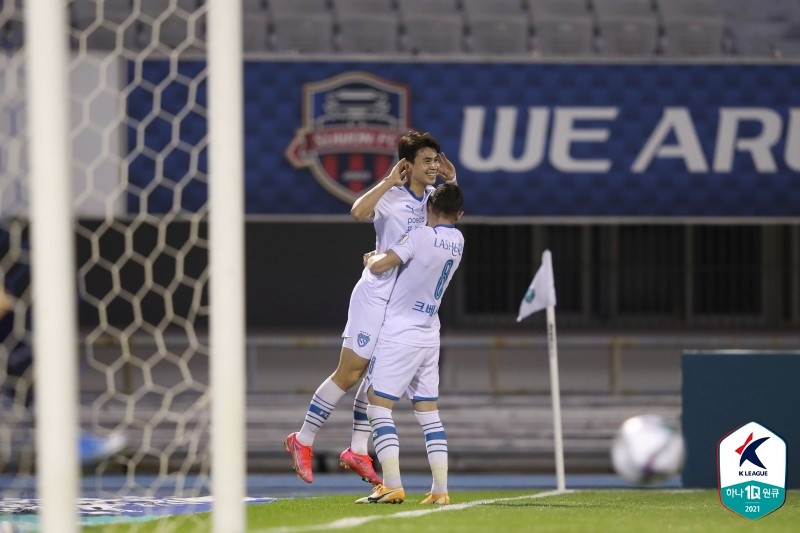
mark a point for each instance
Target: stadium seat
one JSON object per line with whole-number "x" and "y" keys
{"x": 116, "y": 16}
{"x": 788, "y": 43}
{"x": 494, "y": 7}
{"x": 754, "y": 39}
{"x": 625, "y": 8}
{"x": 423, "y": 34}
{"x": 255, "y": 31}
{"x": 498, "y": 34}
{"x": 688, "y": 9}
{"x": 105, "y": 38}
{"x": 558, "y": 8}
{"x": 363, "y": 7}
{"x": 297, "y": 7}
{"x": 181, "y": 27}
{"x": 175, "y": 32}
{"x": 303, "y": 33}
{"x": 84, "y": 12}
{"x": 564, "y": 36}
{"x": 627, "y": 35}
{"x": 690, "y": 37}
{"x": 255, "y": 26}
{"x": 759, "y": 11}
{"x": 787, "y": 48}
{"x": 159, "y": 8}
{"x": 754, "y": 28}
{"x": 368, "y": 33}
{"x": 253, "y": 6}
{"x": 427, "y": 7}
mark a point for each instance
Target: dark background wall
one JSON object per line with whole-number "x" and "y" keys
{"x": 299, "y": 275}
{"x": 723, "y": 391}
{"x": 620, "y": 278}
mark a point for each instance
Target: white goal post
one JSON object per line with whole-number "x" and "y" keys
{"x": 226, "y": 237}
{"x": 132, "y": 182}
{"x": 52, "y": 253}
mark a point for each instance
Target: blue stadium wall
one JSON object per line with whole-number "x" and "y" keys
{"x": 592, "y": 141}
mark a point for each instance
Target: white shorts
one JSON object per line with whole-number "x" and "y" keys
{"x": 399, "y": 368}
{"x": 364, "y": 321}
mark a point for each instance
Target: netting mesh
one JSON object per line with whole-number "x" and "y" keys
{"x": 142, "y": 265}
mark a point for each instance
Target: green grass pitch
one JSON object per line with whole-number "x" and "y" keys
{"x": 620, "y": 510}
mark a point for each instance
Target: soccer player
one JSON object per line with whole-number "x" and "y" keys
{"x": 395, "y": 206}
{"x": 16, "y": 351}
{"x": 406, "y": 358}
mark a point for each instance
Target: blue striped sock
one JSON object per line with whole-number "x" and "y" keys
{"x": 322, "y": 405}
{"x": 387, "y": 444}
{"x": 436, "y": 446}
{"x": 359, "y": 441}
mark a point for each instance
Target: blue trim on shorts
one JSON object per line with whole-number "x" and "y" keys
{"x": 385, "y": 395}
{"x": 421, "y": 399}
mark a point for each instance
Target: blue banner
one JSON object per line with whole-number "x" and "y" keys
{"x": 528, "y": 140}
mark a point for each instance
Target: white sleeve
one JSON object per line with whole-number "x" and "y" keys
{"x": 380, "y": 207}
{"x": 404, "y": 248}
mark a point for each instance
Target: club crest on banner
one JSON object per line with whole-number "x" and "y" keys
{"x": 350, "y": 127}
{"x": 752, "y": 471}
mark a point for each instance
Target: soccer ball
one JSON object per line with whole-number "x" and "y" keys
{"x": 647, "y": 450}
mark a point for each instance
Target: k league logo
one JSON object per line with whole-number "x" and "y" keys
{"x": 747, "y": 451}
{"x": 752, "y": 471}
{"x": 351, "y": 125}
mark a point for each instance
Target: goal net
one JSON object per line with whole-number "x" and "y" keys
{"x": 139, "y": 136}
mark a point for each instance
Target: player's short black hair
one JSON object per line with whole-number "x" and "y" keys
{"x": 447, "y": 200}
{"x": 412, "y": 142}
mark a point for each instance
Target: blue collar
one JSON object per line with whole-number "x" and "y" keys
{"x": 418, "y": 198}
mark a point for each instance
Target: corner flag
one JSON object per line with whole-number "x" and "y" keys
{"x": 542, "y": 295}
{"x": 542, "y": 292}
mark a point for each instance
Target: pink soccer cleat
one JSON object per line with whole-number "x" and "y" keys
{"x": 301, "y": 457}
{"x": 361, "y": 465}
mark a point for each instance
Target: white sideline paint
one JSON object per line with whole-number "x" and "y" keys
{"x": 361, "y": 520}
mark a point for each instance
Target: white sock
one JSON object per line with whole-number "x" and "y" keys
{"x": 387, "y": 444}
{"x": 359, "y": 441}
{"x": 319, "y": 410}
{"x": 436, "y": 446}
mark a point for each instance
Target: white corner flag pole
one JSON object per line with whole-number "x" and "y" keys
{"x": 542, "y": 295}
{"x": 555, "y": 394}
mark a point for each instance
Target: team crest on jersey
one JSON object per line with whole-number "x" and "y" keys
{"x": 351, "y": 125}
{"x": 362, "y": 339}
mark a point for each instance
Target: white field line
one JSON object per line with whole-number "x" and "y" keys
{"x": 344, "y": 523}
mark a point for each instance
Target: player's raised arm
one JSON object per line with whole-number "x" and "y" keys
{"x": 379, "y": 263}
{"x": 364, "y": 206}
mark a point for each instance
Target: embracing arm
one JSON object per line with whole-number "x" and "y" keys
{"x": 364, "y": 206}
{"x": 379, "y": 263}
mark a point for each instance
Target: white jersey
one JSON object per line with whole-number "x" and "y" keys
{"x": 430, "y": 258}
{"x": 396, "y": 213}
